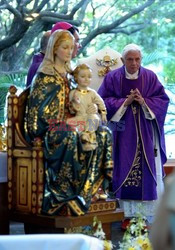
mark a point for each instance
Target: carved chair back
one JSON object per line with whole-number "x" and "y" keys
{"x": 25, "y": 161}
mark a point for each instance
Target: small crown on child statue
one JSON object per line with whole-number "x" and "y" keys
{"x": 106, "y": 63}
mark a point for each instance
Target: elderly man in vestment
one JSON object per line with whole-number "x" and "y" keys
{"x": 136, "y": 108}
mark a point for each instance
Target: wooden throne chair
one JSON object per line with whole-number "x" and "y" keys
{"x": 25, "y": 162}
{"x": 26, "y": 179}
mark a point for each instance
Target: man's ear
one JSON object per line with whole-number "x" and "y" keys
{"x": 122, "y": 60}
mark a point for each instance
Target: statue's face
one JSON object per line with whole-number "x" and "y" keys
{"x": 64, "y": 50}
{"x": 84, "y": 78}
{"x": 132, "y": 61}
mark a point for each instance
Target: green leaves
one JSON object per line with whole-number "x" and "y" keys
{"x": 6, "y": 80}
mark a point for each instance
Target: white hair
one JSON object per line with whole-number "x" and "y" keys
{"x": 131, "y": 47}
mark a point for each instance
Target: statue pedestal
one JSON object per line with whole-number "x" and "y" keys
{"x": 38, "y": 224}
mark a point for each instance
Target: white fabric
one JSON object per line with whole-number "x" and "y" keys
{"x": 148, "y": 112}
{"x": 50, "y": 242}
{"x": 120, "y": 112}
{"x": 131, "y": 76}
{"x": 3, "y": 167}
{"x": 91, "y": 61}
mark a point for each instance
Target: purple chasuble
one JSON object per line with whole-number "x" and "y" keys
{"x": 37, "y": 60}
{"x": 134, "y": 175}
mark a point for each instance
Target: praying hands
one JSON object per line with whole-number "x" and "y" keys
{"x": 134, "y": 96}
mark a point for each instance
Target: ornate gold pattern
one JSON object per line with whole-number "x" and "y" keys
{"x": 135, "y": 176}
{"x": 75, "y": 208}
{"x": 3, "y": 138}
{"x": 23, "y": 194}
{"x": 105, "y": 63}
{"x": 102, "y": 206}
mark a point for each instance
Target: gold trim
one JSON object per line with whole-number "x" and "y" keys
{"x": 9, "y": 137}
{"x": 75, "y": 208}
{"x": 18, "y": 141}
{"x": 9, "y": 100}
{"x": 9, "y": 162}
{"x": 143, "y": 146}
{"x": 9, "y": 196}
{"x": 9, "y": 112}
{"x": 134, "y": 157}
{"x": 9, "y": 184}
{"x": 34, "y": 200}
{"x": 15, "y": 111}
{"x": 34, "y": 171}
{"x": 40, "y": 154}
{"x": 15, "y": 100}
{"x": 102, "y": 206}
{"x": 82, "y": 91}
{"x": 34, "y": 154}
{"x": 34, "y": 188}
{"x": 9, "y": 151}
{"x": 22, "y": 153}
{"x": 21, "y": 138}
{"x": 24, "y": 189}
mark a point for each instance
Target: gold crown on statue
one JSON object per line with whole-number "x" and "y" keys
{"x": 105, "y": 63}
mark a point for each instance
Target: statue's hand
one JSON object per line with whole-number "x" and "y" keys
{"x": 92, "y": 109}
{"x": 103, "y": 118}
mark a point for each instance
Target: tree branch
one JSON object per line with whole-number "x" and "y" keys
{"x": 127, "y": 32}
{"x": 28, "y": 38}
{"x": 107, "y": 28}
{"x": 14, "y": 11}
{"x": 83, "y": 11}
{"x": 41, "y": 6}
{"x": 65, "y": 6}
{"x": 51, "y": 14}
{"x": 77, "y": 7}
{"x": 14, "y": 37}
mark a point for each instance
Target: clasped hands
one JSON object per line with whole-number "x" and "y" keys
{"x": 134, "y": 96}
